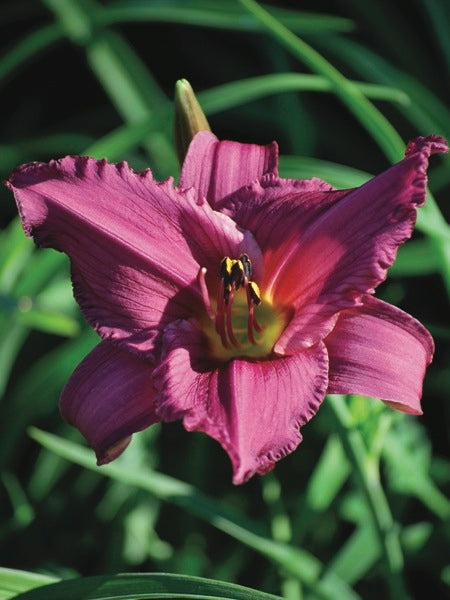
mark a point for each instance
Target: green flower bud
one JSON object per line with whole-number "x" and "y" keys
{"x": 189, "y": 117}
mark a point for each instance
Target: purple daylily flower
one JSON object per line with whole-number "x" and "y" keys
{"x": 234, "y": 301}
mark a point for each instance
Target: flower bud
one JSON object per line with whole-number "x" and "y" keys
{"x": 189, "y": 117}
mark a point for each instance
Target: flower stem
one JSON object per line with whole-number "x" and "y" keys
{"x": 367, "y": 472}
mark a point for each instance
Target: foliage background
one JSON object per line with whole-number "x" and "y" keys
{"x": 359, "y": 509}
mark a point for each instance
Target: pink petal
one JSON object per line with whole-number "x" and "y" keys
{"x": 378, "y": 350}
{"x": 253, "y": 409}
{"x": 108, "y": 397}
{"x": 217, "y": 168}
{"x": 136, "y": 246}
{"x": 324, "y": 249}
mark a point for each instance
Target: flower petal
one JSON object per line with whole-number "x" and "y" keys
{"x": 108, "y": 397}
{"x": 217, "y": 168}
{"x": 324, "y": 249}
{"x": 378, "y": 350}
{"x": 136, "y": 246}
{"x": 253, "y": 409}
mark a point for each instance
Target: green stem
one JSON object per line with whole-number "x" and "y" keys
{"x": 367, "y": 472}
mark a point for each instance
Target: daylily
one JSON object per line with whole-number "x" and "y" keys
{"x": 234, "y": 301}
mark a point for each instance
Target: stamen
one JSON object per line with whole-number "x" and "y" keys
{"x": 252, "y": 323}
{"x": 220, "y": 315}
{"x": 247, "y": 265}
{"x": 234, "y": 274}
{"x": 255, "y": 300}
{"x": 230, "y": 331}
{"x": 204, "y": 292}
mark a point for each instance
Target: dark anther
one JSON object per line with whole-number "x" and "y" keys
{"x": 247, "y": 264}
{"x": 237, "y": 275}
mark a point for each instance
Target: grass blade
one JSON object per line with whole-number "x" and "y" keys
{"x": 219, "y": 15}
{"x": 375, "y": 123}
{"x": 13, "y": 582}
{"x": 28, "y": 49}
{"x": 133, "y": 586}
{"x": 295, "y": 561}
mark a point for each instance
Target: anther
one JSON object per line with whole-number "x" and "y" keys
{"x": 236, "y": 273}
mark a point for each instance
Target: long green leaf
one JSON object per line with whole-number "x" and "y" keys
{"x": 206, "y": 14}
{"x": 126, "y": 80}
{"x": 359, "y": 553}
{"x": 376, "y": 124}
{"x": 425, "y": 110}
{"x": 218, "y": 14}
{"x": 367, "y": 473}
{"x": 409, "y": 477}
{"x": 304, "y": 167}
{"x": 24, "y": 273}
{"x": 329, "y": 475}
{"x": 133, "y": 586}
{"x": 439, "y": 11}
{"x": 43, "y": 380}
{"x": 414, "y": 259}
{"x": 232, "y": 94}
{"x": 13, "y": 582}
{"x": 224, "y": 97}
{"x": 28, "y": 49}
{"x": 15, "y": 251}
{"x": 295, "y": 561}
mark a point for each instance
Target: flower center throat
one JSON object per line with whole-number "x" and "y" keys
{"x": 233, "y": 329}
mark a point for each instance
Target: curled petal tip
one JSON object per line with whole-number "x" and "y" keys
{"x": 431, "y": 144}
{"x": 111, "y": 453}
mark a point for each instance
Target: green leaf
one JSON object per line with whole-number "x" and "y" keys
{"x": 23, "y": 273}
{"x": 220, "y": 14}
{"x": 231, "y": 94}
{"x": 329, "y": 475}
{"x": 12, "y": 337}
{"x": 375, "y": 123}
{"x": 224, "y": 97}
{"x": 414, "y": 537}
{"x": 295, "y": 561}
{"x": 124, "y": 77}
{"x": 359, "y": 553}
{"x": 425, "y": 110}
{"x": 439, "y": 12}
{"x": 41, "y": 147}
{"x": 407, "y": 453}
{"x": 15, "y": 250}
{"x": 416, "y": 258}
{"x": 23, "y": 512}
{"x": 28, "y": 49}
{"x": 48, "y": 321}
{"x": 44, "y": 380}
{"x": 13, "y": 582}
{"x": 367, "y": 473}
{"x": 303, "y": 167}
{"x": 132, "y": 586}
